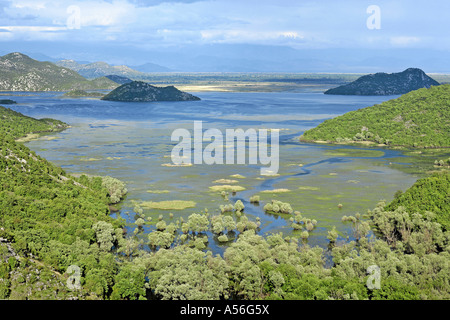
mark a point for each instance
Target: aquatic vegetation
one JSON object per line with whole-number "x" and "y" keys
{"x": 226, "y": 208}
{"x": 158, "y": 191}
{"x": 237, "y": 176}
{"x": 176, "y": 165}
{"x": 168, "y": 204}
{"x": 226, "y": 187}
{"x": 226, "y": 181}
{"x": 278, "y": 207}
{"x": 279, "y": 190}
{"x": 310, "y": 188}
{"x": 332, "y": 235}
{"x": 238, "y": 206}
{"x": 355, "y": 153}
{"x": 254, "y": 199}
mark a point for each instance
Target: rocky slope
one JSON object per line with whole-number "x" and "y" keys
{"x": 100, "y": 69}
{"x": 21, "y": 73}
{"x": 384, "y": 84}
{"x": 139, "y": 91}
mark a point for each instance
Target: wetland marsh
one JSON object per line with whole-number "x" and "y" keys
{"x": 131, "y": 142}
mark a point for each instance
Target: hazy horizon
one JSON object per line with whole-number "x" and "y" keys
{"x": 233, "y": 36}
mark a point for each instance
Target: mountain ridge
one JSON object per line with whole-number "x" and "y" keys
{"x": 101, "y": 69}
{"x": 19, "y": 72}
{"x": 386, "y": 83}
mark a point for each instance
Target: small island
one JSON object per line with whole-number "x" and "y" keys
{"x": 82, "y": 94}
{"x": 7, "y": 101}
{"x": 384, "y": 84}
{"x": 139, "y": 91}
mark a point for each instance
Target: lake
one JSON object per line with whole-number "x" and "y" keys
{"x": 132, "y": 142}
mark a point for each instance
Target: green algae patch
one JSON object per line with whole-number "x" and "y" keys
{"x": 158, "y": 191}
{"x": 357, "y": 153}
{"x": 226, "y": 181}
{"x": 226, "y": 187}
{"x": 280, "y": 190}
{"x": 309, "y": 188}
{"x": 168, "y": 205}
{"x": 237, "y": 176}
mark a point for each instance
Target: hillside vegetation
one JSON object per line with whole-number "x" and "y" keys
{"x": 420, "y": 118}
{"x": 430, "y": 194}
{"x": 48, "y": 219}
{"x": 16, "y": 125}
{"x": 21, "y": 73}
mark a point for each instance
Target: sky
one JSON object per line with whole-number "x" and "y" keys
{"x": 328, "y": 34}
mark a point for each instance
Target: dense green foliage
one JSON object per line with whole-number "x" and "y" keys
{"x": 17, "y": 125}
{"x": 48, "y": 215}
{"x": 420, "y": 118}
{"x": 428, "y": 194}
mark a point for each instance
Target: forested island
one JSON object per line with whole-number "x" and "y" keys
{"x": 51, "y": 221}
{"x": 139, "y": 91}
{"x": 82, "y": 94}
{"x": 384, "y": 84}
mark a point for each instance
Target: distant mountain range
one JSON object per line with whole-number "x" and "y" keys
{"x": 18, "y": 72}
{"x": 384, "y": 84}
{"x": 222, "y": 57}
{"x": 99, "y": 69}
{"x": 102, "y": 69}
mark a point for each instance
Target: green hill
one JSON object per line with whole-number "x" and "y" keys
{"x": 100, "y": 69}
{"x": 15, "y": 125}
{"x": 420, "y": 118}
{"x": 428, "y": 194}
{"x": 50, "y": 220}
{"x": 21, "y": 73}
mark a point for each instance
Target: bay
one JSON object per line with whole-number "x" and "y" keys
{"x": 132, "y": 142}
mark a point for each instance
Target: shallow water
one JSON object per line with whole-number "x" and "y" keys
{"x": 131, "y": 141}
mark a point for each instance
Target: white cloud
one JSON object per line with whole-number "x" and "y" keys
{"x": 302, "y": 24}
{"x": 249, "y": 36}
{"x": 404, "y": 41}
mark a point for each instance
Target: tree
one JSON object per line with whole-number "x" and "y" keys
{"x": 185, "y": 273}
{"x": 105, "y": 235}
{"x": 198, "y": 222}
{"x": 129, "y": 284}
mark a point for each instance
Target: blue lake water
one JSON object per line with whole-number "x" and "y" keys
{"x": 131, "y": 141}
